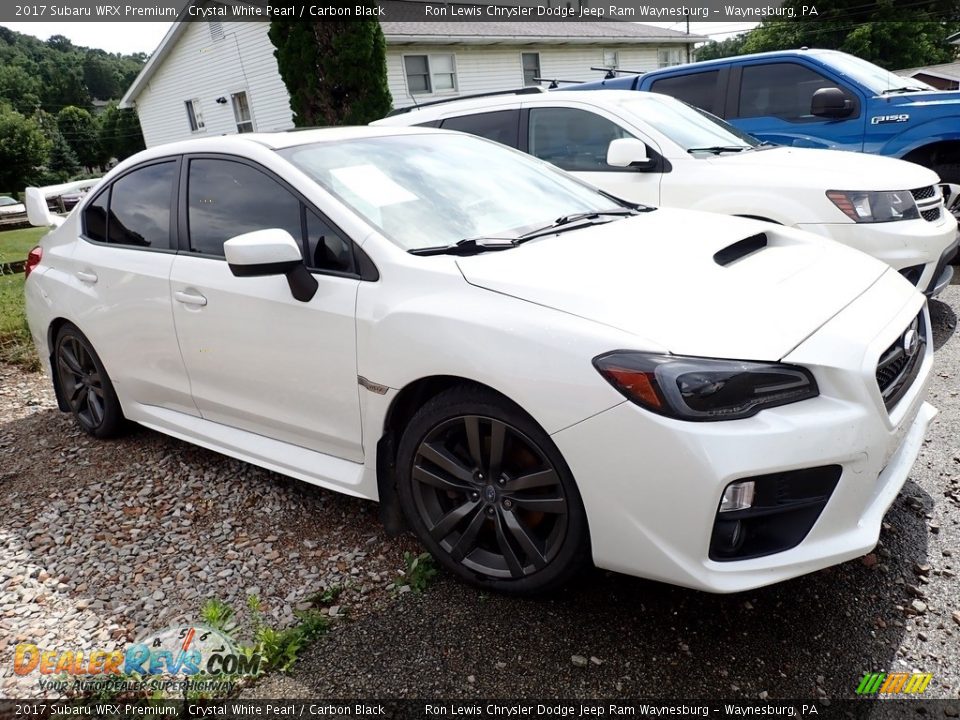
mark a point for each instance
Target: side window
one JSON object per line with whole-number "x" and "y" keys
{"x": 698, "y": 89}
{"x": 782, "y": 90}
{"x": 134, "y": 210}
{"x": 573, "y": 139}
{"x": 95, "y": 217}
{"x": 502, "y": 126}
{"x": 326, "y": 249}
{"x": 226, "y": 198}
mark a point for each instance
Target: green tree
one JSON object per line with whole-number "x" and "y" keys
{"x": 120, "y": 134}
{"x": 891, "y": 33}
{"x": 335, "y": 71}
{"x": 101, "y": 76}
{"x": 62, "y": 164}
{"x": 79, "y": 129}
{"x": 23, "y": 148}
{"x": 722, "y": 48}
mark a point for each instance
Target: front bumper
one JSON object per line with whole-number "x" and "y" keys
{"x": 651, "y": 485}
{"x": 916, "y": 247}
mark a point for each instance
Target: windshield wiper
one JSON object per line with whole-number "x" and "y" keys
{"x": 576, "y": 221}
{"x": 467, "y": 246}
{"x": 717, "y": 149}
{"x": 904, "y": 89}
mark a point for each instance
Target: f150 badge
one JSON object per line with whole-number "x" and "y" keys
{"x": 886, "y": 119}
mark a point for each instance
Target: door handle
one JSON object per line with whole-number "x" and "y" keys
{"x": 87, "y": 276}
{"x": 190, "y": 298}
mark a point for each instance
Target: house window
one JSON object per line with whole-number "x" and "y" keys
{"x": 216, "y": 30}
{"x": 667, "y": 57}
{"x": 430, "y": 73}
{"x": 195, "y": 115}
{"x": 531, "y": 67}
{"x": 241, "y": 112}
{"x": 611, "y": 59}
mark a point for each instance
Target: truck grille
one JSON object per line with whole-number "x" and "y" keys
{"x": 900, "y": 363}
{"x": 929, "y": 202}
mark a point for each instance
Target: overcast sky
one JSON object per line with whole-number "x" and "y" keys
{"x": 131, "y": 37}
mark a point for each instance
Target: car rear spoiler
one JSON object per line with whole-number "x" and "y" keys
{"x": 38, "y": 212}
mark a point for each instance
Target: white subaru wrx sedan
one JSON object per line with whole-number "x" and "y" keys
{"x": 530, "y": 372}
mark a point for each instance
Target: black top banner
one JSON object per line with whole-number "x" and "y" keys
{"x": 404, "y": 11}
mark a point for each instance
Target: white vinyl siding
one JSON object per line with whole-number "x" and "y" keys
{"x": 202, "y": 68}
{"x": 500, "y": 67}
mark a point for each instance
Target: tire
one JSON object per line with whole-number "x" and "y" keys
{"x": 85, "y": 384}
{"x": 520, "y": 529}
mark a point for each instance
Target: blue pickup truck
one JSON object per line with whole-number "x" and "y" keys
{"x": 820, "y": 99}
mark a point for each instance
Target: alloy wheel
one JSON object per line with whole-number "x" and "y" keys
{"x": 489, "y": 496}
{"x": 81, "y": 381}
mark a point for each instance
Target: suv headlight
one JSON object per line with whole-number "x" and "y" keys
{"x": 873, "y": 207}
{"x": 704, "y": 389}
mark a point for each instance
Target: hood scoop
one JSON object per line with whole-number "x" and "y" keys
{"x": 740, "y": 249}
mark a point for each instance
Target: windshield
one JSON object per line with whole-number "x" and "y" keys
{"x": 435, "y": 189}
{"x": 7, "y": 201}
{"x": 872, "y": 76}
{"x": 687, "y": 126}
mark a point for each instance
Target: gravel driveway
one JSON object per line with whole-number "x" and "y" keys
{"x": 102, "y": 541}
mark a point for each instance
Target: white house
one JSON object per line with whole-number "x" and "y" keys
{"x": 216, "y": 78}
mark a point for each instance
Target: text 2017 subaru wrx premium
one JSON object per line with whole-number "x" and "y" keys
{"x": 537, "y": 374}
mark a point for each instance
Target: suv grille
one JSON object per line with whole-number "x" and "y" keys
{"x": 900, "y": 363}
{"x": 929, "y": 202}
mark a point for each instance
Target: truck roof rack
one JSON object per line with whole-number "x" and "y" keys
{"x": 611, "y": 73}
{"x": 536, "y": 89}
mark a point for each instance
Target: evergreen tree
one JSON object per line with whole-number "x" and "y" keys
{"x": 335, "y": 71}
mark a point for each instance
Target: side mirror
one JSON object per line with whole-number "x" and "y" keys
{"x": 626, "y": 152}
{"x": 830, "y": 102}
{"x": 271, "y": 252}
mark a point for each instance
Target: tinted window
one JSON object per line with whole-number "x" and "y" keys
{"x": 502, "y": 126}
{"x": 95, "y": 217}
{"x": 782, "y": 90}
{"x": 225, "y": 199}
{"x": 698, "y": 89}
{"x": 140, "y": 207}
{"x": 326, "y": 248}
{"x": 573, "y": 139}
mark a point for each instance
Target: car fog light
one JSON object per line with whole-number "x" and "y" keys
{"x": 737, "y": 496}
{"x": 728, "y": 537}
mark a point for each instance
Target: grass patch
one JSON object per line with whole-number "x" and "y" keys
{"x": 16, "y": 345}
{"x": 15, "y": 244}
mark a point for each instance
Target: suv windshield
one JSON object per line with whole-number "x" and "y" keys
{"x": 689, "y": 127}
{"x": 871, "y": 76}
{"x": 435, "y": 189}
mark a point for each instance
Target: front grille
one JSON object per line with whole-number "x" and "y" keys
{"x": 900, "y": 363}
{"x": 929, "y": 202}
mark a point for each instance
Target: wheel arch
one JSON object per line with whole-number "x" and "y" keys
{"x": 402, "y": 408}
{"x": 932, "y": 154}
{"x": 52, "y": 331}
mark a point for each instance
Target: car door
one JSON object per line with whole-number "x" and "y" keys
{"x": 576, "y": 140}
{"x": 771, "y": 101}
{"x": 122, "y": 278}
{"x": 258, "y": 359}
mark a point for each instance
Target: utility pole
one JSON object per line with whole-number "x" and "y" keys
{"x": 688, "y": 37}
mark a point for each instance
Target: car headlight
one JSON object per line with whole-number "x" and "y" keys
{"x": 704, "y": 389}
{"x": 874, "y": 207}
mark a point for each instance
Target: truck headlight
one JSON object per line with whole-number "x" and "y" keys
{"x": 874, "y": 207}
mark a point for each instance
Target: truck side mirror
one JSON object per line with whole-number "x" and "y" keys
{"x": 830, "y": 102}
